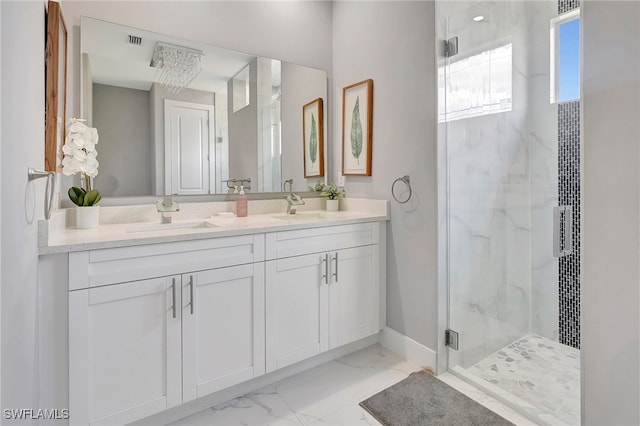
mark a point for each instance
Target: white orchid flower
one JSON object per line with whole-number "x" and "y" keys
{"x": 80, "y": 149}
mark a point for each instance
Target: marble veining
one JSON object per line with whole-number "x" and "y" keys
{"x": 540, "y": 371}
{"x": 329, "y": 395}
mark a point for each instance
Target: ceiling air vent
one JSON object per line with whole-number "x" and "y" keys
{"x": 135, "y": 40}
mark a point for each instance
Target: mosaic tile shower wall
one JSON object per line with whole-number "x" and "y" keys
{"x": 569, "y": 195}
{"x": 565, "y": 6}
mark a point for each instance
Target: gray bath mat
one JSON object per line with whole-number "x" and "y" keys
{"x": 421, "y": 399}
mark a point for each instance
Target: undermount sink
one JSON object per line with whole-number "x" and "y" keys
{"x": 300, "y": 216}
{"x": 169, "y": 226}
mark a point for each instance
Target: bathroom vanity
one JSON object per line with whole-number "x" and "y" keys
{"x": 159, "y": 317}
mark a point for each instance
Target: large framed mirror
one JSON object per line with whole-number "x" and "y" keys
{"x": 232, "y": 117}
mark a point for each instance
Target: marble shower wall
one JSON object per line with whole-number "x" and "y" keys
{"x": 502, "y": 178}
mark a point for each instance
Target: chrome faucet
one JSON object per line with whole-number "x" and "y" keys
{"x": 293, "y": 199}
{"x": 165, "y": 207}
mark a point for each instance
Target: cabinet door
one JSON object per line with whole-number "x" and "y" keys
{"x": 124, "y": 351}
{"x": 222, "y": 328}
{"x": 353, "y": 295}
{"x": 297, "y": 297}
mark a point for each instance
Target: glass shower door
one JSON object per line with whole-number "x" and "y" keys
{"x": 502, "y": 190}
{"x": 489, "y": 212}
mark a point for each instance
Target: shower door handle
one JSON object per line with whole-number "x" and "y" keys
{"x": 562, "y": 235}
{"x": 556, "y": 232}
{"x": 568, "y": 225}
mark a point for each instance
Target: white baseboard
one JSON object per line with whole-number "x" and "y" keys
{"x": 408, "y": 348}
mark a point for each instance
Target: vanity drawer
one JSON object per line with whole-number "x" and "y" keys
{"x": 306, "y": 241}
{"x": 109, "y": 266}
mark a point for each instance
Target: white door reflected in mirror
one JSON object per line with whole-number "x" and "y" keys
{"x": 188, "y": 133}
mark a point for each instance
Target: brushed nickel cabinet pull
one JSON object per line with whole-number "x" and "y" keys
{"x": 191, "y": 292}
{"x": 335, "y": 260}
{"x": 324, "y": 259}
{"x": 173, "y": 291}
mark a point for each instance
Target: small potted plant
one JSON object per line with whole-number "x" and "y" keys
{"x": 318, "y": 187}
{"x": 80, "y": 156}
{"x": 333, "y": 194}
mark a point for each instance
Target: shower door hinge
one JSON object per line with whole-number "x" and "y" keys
{"x": 451, "y": 338}
{"x": 450, "y": 47}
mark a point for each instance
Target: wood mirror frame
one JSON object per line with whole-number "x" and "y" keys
{"x": 55, "y": 85}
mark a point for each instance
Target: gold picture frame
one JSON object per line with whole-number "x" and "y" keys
{"x": 55, "y": 86}
{"x": 313, "y": 138}
{"x": 357, "y": 124}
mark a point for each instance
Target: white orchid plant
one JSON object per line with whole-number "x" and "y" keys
{"x": 80, "y": 156}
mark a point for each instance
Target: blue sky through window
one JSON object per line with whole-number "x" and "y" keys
{"x": 569, "y": 58}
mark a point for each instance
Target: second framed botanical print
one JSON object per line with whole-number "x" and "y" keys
{"x": 357, "y": 122}
{"x": 313, "y": 137}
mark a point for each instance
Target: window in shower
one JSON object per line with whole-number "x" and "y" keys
{"x": 565, "y": 57}
{"x": 478, "y": 85}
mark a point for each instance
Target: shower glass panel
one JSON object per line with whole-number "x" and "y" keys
{"x": 502, "y": 156}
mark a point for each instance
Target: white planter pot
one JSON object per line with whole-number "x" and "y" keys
{"x": 87, "y": 217}
{"x": 333, "y": 205}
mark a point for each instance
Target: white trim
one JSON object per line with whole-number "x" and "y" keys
{"x": 408, "y": 348}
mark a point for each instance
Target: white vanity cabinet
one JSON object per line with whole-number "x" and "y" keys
{"x": 154, "y": 326}
{"x": 222, "y": 329}
{"x": 354, "y": 294}
{"x": 297, "y": 308}
{"x": 322, "y": 290}
{"x": 124, "y": 352}
{"x": 139, "y": 347}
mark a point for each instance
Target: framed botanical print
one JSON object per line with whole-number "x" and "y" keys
{"x": 357, "y": 121}
{"x": 313, "y": 138}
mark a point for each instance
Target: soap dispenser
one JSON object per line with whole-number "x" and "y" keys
{"x": 242, "y": 203}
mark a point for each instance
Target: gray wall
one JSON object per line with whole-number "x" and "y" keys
{"x": 300, "y": 85}
{"x": 87, "y": 89}
{"x": 125, "y": 148}
{"x": 393, "y": 43}
{"x": 243, "y": 131}
{"x": 611, "y": 221}
{"x": 22, "y": 87}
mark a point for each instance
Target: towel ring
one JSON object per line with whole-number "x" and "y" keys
{"x": 34, "y": 174}
{"x": 407, "y": 181}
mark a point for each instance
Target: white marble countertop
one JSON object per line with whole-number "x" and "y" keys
{"x": 56, "y": 239}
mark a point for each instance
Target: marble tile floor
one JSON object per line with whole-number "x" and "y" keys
{"x": 541, "y": 372}
{"x": 329, "y": 395}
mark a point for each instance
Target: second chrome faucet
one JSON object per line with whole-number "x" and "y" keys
{"x": 165, "y": 207}
{"x": 293, "y": 199}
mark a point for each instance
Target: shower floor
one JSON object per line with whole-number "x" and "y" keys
{"x": 542, "y": 375}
